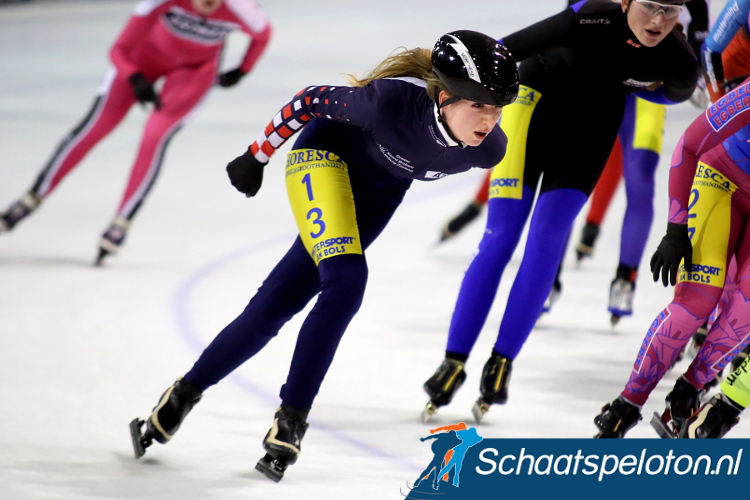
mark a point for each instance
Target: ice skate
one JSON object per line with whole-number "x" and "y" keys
{"x": 554, "y": 295}
{"x": 585, "y": 247}
{"x": 460, "y": 221}
{"x": 682, "y": 401}
{"x": 283, "y": 441}
{"x": 621, "y": 293}
{"x": 616, "y": 419}
{"x": 166, "y": 418}
{"x": 713, "y": 420}
{"x": 112, "y": 238}
{"x": 442, "y": 386}
{"x": 494, "y": 385}
{"x": 18, "y": 211}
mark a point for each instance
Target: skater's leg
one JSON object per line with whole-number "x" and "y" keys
{"x": 112, "y": 103}
{"x": 730, "y": 334}
{"x": 482, "y": 194}
{"x": 506, "y": 219}
{"x": 342, "y": 286}
{"x": 550, "y": 225}
{"x": 184, "y": 89}
{"x": 286, "y": 291}
{"x": 642, "y": 145}
{"x": 667, "y": 336}
{"x": 606, "y": 186}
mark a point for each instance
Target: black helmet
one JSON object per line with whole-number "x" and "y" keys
{"x": 475, "y": 67}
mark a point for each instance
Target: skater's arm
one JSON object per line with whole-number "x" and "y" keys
{"x": 358, "y": 106}
{"x": 255, "y": 23}
{"x": 136, "y": 30}
{"x": 555, "y": 31}
{"x": 732, "y": 18}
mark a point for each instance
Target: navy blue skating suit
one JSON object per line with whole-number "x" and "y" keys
{"x": 385, "y": 135}
{"x": 576, "y": 69}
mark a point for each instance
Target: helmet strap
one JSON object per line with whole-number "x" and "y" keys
{"x": 447, "y": 102}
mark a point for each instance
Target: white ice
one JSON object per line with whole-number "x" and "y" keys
{"x": 84, "y": 350}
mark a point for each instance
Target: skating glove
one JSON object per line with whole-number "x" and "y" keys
{"x": 143, "y": 90}
{"x": 674, "y": 247}
{"x": 246, "y": 173}
{"x": 231, "y": 78}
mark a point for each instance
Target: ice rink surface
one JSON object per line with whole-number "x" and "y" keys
{"x": 84, "y": 350}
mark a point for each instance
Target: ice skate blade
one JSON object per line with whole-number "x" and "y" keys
{"x": 429, "y": 411}
{"x": 601, "y": 435}
{"x": 614, "y": 319}
{"x": 272, "y": 468}
{"x": 661, "y": 427}
{"x": 480, "y": 409}
{"x": 140, "y": 441}
{"x": 103, "y": 253}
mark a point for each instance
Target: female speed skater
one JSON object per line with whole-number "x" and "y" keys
{"x": 177, "y": 43}
{"x": 419, "y": 115}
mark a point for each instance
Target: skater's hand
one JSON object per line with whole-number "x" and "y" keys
{"x": 674, "y": 247}
{"x": 231, "y": 78}
{"x": 246, "y": 173}
{"x": 144, "y": 90}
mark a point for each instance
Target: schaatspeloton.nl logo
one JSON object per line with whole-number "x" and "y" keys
{"x": 464, "y": 464}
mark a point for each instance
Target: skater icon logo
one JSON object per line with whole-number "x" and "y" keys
{"x": 442, "y": 476}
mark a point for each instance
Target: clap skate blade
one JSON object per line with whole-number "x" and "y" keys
{"x": 101, "y": 256}
{"x": 272, "y": 468}
{"x": 141, "y": 441}
{"x": 429, "y": 411}
{"x": 661, "y": 426}
{"x": 480, "y": 409}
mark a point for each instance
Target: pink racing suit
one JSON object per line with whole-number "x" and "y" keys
{"x": 164, "y": 39}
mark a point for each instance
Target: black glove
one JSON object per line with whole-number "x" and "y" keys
{"x": 674, "y": 247}
{"x": 143, "y": 90}
{"x": 231, "y": 78}
{"x": 246, "y": 173}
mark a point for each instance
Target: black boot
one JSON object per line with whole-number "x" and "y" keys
{"x": 585, "y": 247}
{"x": 173, "y": 407}
{"x": 442, "y": 386}
{"x": 682, "y": 401}
{"x": 494, "y": 384}
{"x": 616, "y": 419}
{"x": 18, "y": 211}
{"x": 713, "y": 420}
{"x": 460, "y": 221}
{"x": 283, "y": 441}
{"x": 621, "y": 293}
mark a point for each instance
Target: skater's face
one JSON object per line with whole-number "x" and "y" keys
{"x": 469, "y": 121}
{"x": 650, "y": 21}
{"x": 207, "y": 7}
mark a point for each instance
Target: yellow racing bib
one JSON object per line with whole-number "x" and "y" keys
{"x": 506, "y": 180}
{"x": 709, "y": 214}
{"x": 320, "y": 194}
